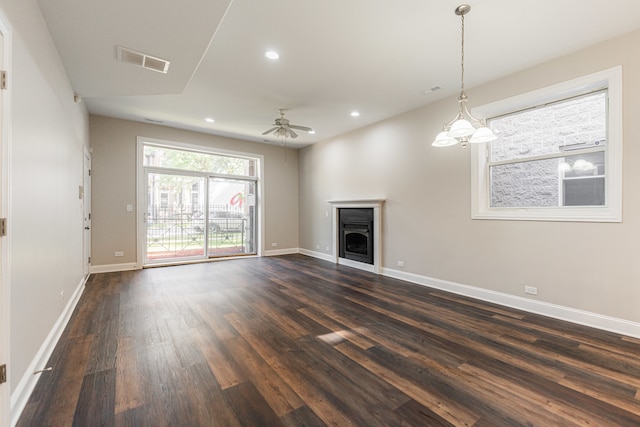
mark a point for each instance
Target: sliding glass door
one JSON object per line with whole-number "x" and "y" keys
{"x": 196, "y": 214}
{"x": 174, "y": 206}
{"x": 231, "y": 228}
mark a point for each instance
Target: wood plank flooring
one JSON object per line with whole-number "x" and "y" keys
{"x": 295, "y": 341}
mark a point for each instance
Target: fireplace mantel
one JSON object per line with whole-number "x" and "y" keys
{"x": 360, "y": 203}
{"x": 376, "y": 204}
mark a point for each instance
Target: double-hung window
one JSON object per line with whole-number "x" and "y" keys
{"x": 558, "y": 155}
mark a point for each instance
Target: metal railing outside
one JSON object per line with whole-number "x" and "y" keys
{"x": 178, "y": 231}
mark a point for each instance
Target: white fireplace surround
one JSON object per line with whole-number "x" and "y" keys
{"x": 376, "y": 204}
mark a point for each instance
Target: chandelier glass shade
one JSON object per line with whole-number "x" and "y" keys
{"x": 464, "y": 128}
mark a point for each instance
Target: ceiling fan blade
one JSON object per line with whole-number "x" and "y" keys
{"x": 304, "y": 128}
{"x": 293, "y": 134}
{"x": 269, "y": 131}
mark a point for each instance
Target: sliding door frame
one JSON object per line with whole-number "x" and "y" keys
{"x": 145, "y": 232}
{"x": 141, "y": 190}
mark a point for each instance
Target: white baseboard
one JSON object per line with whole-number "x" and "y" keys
{"x": 27, "y": 383}
{"x": 25, "y": 387}
{"x": 111, "y": 268}
{"x": 276, "y": 252}
{"x": 319, "y": 255}
{"x": 358, "y": 265}
{"x": 581, "y": 317}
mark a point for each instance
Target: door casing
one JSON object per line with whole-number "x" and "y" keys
{"x": 141, "y": 190}
{"x": 5, "y": 211}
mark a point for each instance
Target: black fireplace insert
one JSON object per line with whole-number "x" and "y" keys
{"x": 356, "y": 234}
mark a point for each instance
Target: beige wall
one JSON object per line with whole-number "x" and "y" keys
{"x": 114, "y": 185}
{"x": 586, "y": 266}
{"x": 48, "y": 133}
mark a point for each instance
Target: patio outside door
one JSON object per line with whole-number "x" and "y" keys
{"x": 175, "y": 204}
{"x": 231, "y": 225}
{"x": 195, "y": 216}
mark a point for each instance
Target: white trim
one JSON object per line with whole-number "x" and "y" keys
{"x": 111, "y": 268}
{"x": 318, "y": 255}
{"x": 141, "y": 201}
{"x": 376, "y": 204}
{"x": 86, "y": 216}
{"x": 5, "y": 212}
{"x": 357, "y": 265}
{"x": 276, "y": 252}
{"x": 195, "y": 147}
{"x": 187, "y": 261}
{"x": 358, "y": 202}
{"x": 581, "y": 317}
{"x": 612, "y": 212}
{"x": 141, "y": 191}
{"x": 27, "y": 383}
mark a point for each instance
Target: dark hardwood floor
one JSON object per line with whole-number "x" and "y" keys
{"x": 295, "y": 341}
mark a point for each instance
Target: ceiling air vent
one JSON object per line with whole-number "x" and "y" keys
{"x": 142, "y": 60}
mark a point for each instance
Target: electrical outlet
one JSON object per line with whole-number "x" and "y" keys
{"x": 129, "y": 208}
{"x": 274, "y": 244}
{"x": 401, "y": 264}
{"x": 61, "y": 296}
{"x": 118, "y": 253}
{"x": 531, "y": 290}
{"x": 317, "y": 246}
{"x": 326, "y": 248}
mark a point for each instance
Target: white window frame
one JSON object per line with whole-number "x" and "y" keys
{"x": 141, "y": 199}
{"x": 610, "y": 79}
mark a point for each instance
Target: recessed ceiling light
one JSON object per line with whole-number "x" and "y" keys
{"x": 209, "y": 120}
{"x": 354, "y": 114}
{"x": 272, "y": 55}
{"x": 312, "y": 131}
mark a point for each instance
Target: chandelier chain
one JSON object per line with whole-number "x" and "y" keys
{"x": 462, "y": 57}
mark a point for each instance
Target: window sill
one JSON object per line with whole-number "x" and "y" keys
{"x": 578, "y": 214}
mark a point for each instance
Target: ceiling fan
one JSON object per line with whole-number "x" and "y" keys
{"x": 283, "y": 128}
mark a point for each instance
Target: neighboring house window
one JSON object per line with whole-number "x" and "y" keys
{"x": 558, "y": 155}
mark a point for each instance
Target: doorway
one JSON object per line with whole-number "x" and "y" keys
{"x": 86, "y": 211}
{"x": 197, "y": 205}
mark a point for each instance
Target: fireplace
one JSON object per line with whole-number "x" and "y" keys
{"x": 364, "y": 232}
{"x": 356, "y": 234}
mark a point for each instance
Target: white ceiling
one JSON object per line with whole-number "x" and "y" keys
{"x": 374, "y": 56}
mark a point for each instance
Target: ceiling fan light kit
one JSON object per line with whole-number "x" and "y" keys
{"x": 464, "y": 128}
{"x": 283, "y": 128}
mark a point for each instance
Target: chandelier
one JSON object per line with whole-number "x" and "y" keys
{"x": 464, "y": 128}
